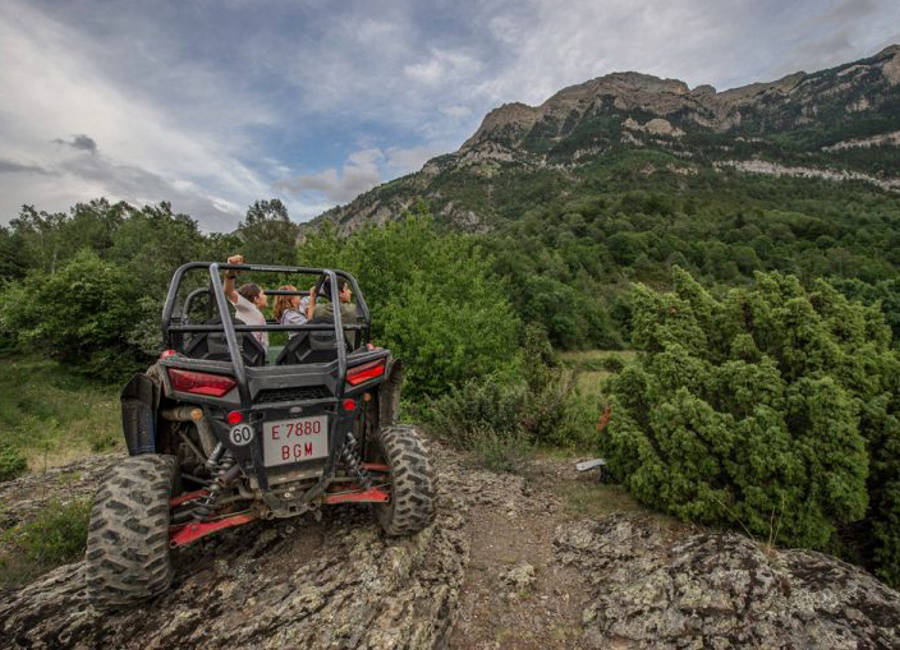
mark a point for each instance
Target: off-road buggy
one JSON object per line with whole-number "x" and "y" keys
{"x": 222, "y": 432}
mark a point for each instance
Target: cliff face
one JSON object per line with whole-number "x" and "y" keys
{"x": 792, "y": 102}
{"x": 803, "y": 120}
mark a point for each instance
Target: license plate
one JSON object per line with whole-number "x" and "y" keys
{"x": 295, "y": 440}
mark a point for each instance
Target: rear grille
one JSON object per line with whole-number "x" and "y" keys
{"x": 292, "y": 394}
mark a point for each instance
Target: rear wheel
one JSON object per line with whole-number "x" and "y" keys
{"x": 128, "y": 540}
{"x": 411, "y": 507}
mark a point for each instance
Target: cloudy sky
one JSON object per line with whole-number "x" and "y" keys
{"x": 214, "y": 104}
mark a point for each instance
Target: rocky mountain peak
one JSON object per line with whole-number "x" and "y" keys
{"x": 625, "y": 88}
{"x": 619, "y": 83}
{"x": 802, "y": 118}
{"x": 890, "y": 67}
{"x": 515, "y": 115}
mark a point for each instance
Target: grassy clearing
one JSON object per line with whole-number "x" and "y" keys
{"x": 590, "y": 383}
{"x": 595, "y": 367}
{"x": 51, "y": 416}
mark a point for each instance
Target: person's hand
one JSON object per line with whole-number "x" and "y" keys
{"x": 236, "y": 259}
{"x": 312, "y": 290}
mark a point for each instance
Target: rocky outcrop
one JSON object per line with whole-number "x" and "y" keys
{"x": 890, "y": 66}
{"x": 502, "y": 561}
{"x": 880, "y": 140}
{"x": 336, "y": 583}
{"x": 656, "y": 126}
{"x": 775, "y": 169}
{"x": 713, "y": 590}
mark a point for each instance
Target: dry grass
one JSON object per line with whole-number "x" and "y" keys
{"x": 590, "y": 498}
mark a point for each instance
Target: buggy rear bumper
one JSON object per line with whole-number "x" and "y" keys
{"x": 282, "y": 393}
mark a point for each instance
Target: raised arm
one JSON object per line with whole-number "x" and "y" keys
{"x": 311, "y": 307}
{"x": 230, "y": 292}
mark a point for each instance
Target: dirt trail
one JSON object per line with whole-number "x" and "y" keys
{"x": 548, "y": 560}
{"x": 514, "y": 593}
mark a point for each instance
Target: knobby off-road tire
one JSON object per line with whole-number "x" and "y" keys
{"x": 411, "y": 507}
{"x": 127, "y": 553}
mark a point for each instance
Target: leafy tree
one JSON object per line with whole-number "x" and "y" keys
{"x": 775, "y": 407}
{"x": 41, "y": 236}
{"x": 81, "y": 315}
{"x": 13, "y": 261}
{"x": 152, "y": 242}
{"x": 268, "y": 235}
{"x": 433, "y": 299}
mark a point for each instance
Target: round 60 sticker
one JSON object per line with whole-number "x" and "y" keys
{"x": 241, "y": 435}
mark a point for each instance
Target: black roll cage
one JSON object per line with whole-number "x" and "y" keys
{"x": 230, "y": 329}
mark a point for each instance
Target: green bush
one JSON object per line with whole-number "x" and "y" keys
{"x": 554, "y": 411}
{"x": 501, "y": 451}
{"x": 463, "y": 413}
{"x": 80, "y": 315}
{"x": 58, "y": 535}
{"x": 12, "y": 462}
{"x": 613, "y": 364}
{"x": 773, "y": 404}
{"x": 433, "y": 300}
{"x": 502, "y": 415}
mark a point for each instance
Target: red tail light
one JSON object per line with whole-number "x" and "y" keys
{"x": 200, "y": 383}
{"x": 365, "y": 372}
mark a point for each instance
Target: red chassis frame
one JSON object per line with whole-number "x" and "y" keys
{"x": 191, "y": 532}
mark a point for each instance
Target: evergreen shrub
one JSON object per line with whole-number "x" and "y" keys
{"x": 12, "y": 462}
{"x": 774, "y": 408}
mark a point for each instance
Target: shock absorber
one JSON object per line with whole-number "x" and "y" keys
{"x": 207, "y": 506}
{"x": 353, "y": 461}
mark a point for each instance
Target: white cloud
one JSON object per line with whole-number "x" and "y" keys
{"x": 430, "y": 72}
{"x": 443, "y": 66}
{"x": 359, "y": 174}
{"x": 404, "y": 161}
{"x": 725, "y": 44}
{"x": 455, "y": 111}
{"x": 362, "y": 170}
{"x": 59, "y": 95}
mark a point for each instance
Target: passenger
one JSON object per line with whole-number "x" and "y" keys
{"x": 291, "y": 310}
{"x": 325, "y": 312}
{"x": 247, "y": 301}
